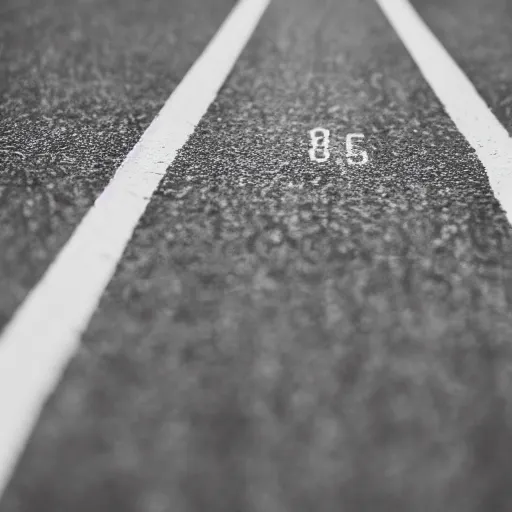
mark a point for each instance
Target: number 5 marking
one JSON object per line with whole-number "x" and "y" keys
{"x": 355, "y": 156}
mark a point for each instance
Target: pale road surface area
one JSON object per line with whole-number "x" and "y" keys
{"x": 280, "y": 335}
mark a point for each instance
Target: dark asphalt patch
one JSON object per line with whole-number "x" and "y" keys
{"x": 477, "y": 35}
{"x": 286, "y": 336}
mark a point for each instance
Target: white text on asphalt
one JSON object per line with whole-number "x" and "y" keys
{"x": 320, "y": 152}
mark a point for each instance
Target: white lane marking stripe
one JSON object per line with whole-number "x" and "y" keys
{"x": 44, "y": 333}
{"x": 468, "y": 110}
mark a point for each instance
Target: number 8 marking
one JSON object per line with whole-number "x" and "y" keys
{"x": 320, "y": 142}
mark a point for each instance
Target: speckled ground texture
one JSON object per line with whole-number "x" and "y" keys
{"x": 280, "y": 335}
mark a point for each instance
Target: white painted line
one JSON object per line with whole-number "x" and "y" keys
{"x": 468, "y": 110}
{"x": 44, "y": 334}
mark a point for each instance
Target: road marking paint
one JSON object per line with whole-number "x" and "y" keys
{"x": 45, "y": 332}
{"x": 467, "y": 109}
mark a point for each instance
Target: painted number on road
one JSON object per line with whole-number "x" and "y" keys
{"x": 319, "y": 150}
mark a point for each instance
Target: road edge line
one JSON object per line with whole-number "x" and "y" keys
{"x": 44, "y": 333}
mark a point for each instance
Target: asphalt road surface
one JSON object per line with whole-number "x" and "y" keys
{"x": 280, "y": 334}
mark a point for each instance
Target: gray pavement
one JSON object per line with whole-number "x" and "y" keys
{"x": 80, "y": 80}
{"x": 280, "y": 335}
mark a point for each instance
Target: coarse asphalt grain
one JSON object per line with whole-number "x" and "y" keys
{"x": 287, "y": 336}
{"x": 80, "y": 81}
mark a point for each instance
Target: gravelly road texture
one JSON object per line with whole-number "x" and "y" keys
{"x": 282, "y": 335}
{"x": 80, "y": 81}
